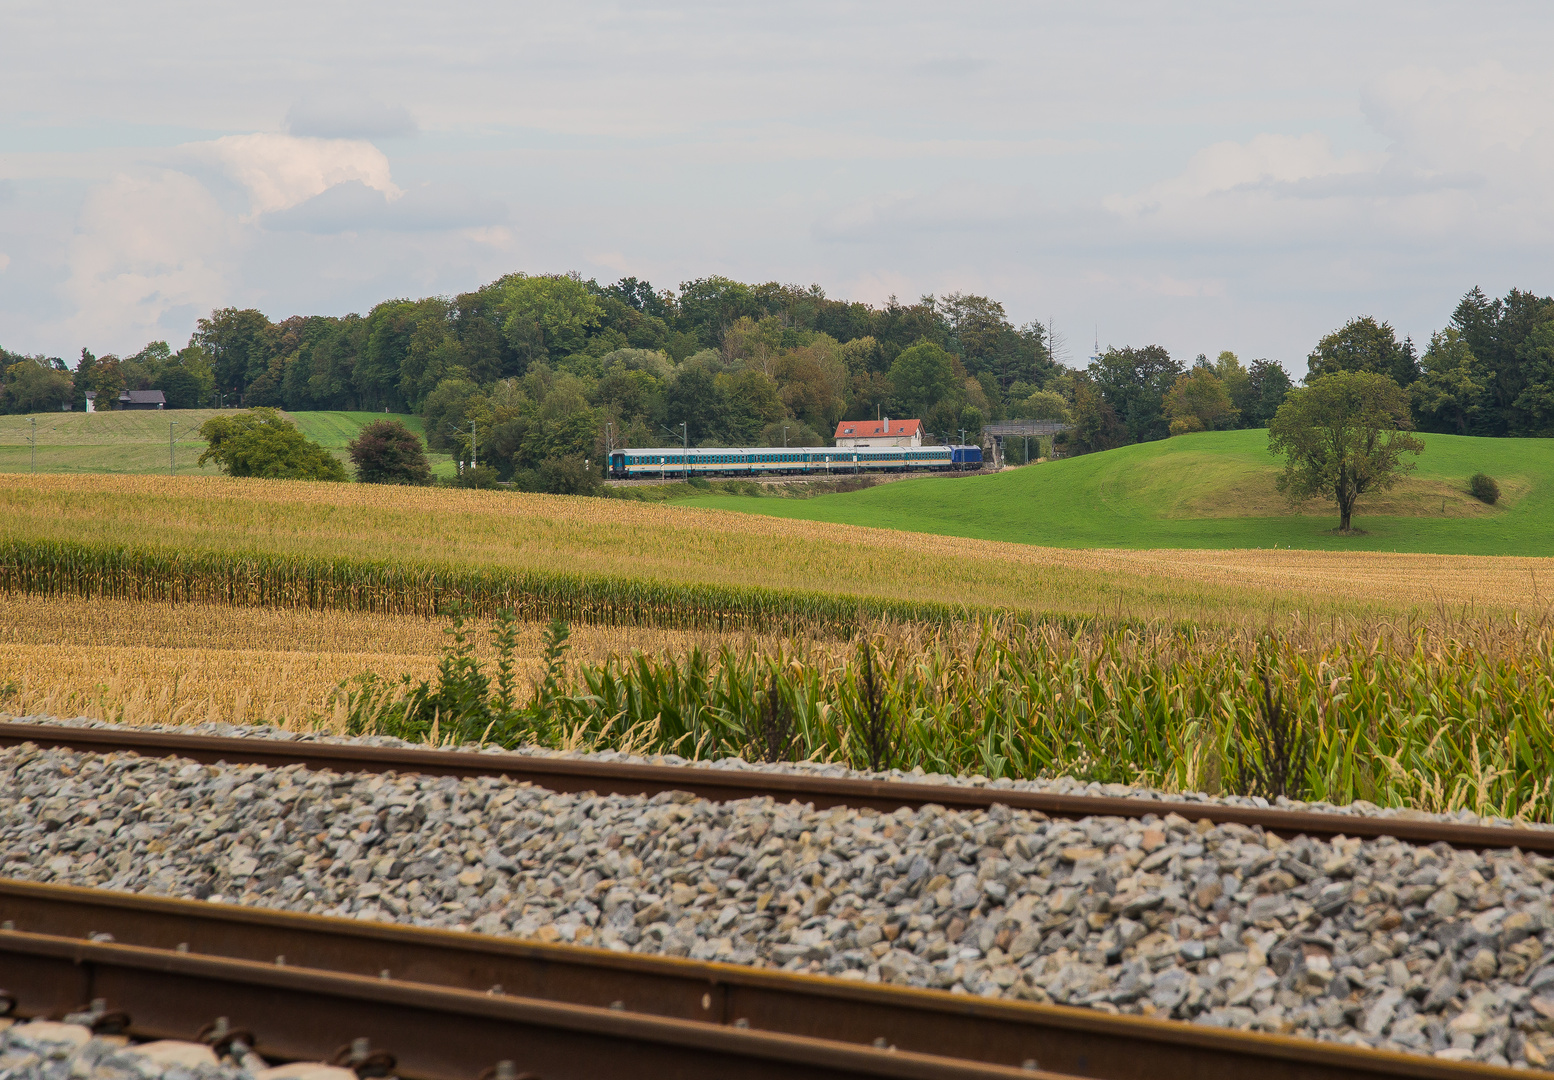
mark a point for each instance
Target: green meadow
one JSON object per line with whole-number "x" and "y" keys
{"x": 137, "y": 441}
{"x": 1210, "y": 490}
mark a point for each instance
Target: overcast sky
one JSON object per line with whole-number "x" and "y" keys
{"x": 1203, "y": 175}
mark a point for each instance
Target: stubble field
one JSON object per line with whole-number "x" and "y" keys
{"x": 154, "y": 663}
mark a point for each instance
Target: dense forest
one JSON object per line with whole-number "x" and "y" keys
{"x": 538, "y": 368}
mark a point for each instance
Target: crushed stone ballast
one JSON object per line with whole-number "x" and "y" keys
{"x": 1431, "y": 950}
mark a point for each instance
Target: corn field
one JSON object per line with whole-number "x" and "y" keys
{"x": 1438, "y": 718}
{"x": 235, "y": 579}
{"x": 610, "y": 538}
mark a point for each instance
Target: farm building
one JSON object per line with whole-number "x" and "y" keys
{"x": 142, "y": 399}
{"x": 885, "y": 432}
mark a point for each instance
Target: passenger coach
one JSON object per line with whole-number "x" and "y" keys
{"x": 667, "y": 462}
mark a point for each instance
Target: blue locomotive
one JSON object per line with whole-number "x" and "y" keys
{"x": 671, "y": 462}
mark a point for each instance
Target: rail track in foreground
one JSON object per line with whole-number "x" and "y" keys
{"x": 450, "y": 1005}
{"x": 722, "y": 785}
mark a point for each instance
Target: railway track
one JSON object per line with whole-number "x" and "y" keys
{"x": 624, "y": 778}
{"x": 450, "y": 1006}
{"x": 642, "y": 1015}
{"x": 436, "y": 1033}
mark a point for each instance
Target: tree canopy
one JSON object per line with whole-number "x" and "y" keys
{"x": 1199, "y": 401}
{"x": 261, "y": 442}
{"x": 387, "y": 452}
{"x": 1363, "y": 344}
{"x": 537, "y": 367}
{"x": 1343, "y": 435}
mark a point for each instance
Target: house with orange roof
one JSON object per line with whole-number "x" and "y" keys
{"x": 883, "y": 432}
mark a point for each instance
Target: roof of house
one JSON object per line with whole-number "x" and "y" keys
{"x": 91, "y": 395}
{"x": 877, "y": 429}
{"x": 144, "y": 397}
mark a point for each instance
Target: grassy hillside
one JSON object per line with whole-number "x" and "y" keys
{"x": 136, "y": 442}
{"x": 1212, "y": 490}
{"x": 336, "y": 430}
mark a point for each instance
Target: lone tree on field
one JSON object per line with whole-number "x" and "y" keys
{"x": 387, "y": 452}
{"x": 1343, "y": 435}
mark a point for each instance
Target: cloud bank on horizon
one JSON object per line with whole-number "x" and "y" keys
{"x": 1203, "y": 176}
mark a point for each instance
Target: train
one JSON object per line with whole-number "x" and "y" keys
{"x": 668, "y": 462}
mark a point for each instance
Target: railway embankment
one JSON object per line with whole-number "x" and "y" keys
{"x": 1425, "y": 948}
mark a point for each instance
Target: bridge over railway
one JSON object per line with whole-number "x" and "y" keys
{"x": 993, "y": 435}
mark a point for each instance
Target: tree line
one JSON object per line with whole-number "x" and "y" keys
{"x": 536, "y": 369}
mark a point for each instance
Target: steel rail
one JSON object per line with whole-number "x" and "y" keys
{"x": 1069, "y": 1040}
{"x": 625, "y": 778}
{"x": 434, "y": 1033}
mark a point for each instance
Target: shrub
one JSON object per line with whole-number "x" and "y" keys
{"x": 387, "y": 452}
{"x": 568, "y": 476}
{"x": 263, "y": 443}
{"x": 475, "y": 476}
{"x": 1483, "y": 488}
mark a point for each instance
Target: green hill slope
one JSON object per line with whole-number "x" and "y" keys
{"x": 336, "y": 430}
{"x": 136, "y": 442}
{"x": 1213, "y": 490}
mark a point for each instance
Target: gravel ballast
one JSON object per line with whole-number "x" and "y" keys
{"x": 1059, "y": 785}
{"x": 1377, "y": 943}
{"x": 50, "y": 1050}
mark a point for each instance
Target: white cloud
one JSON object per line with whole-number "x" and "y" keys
{"x": 1264, "y": 161}
{"x": 1450, "y": 118}
{"x": 145, "y": 246}
{"x": 1272, "y": 170}
{"x": 281, "y": 171}
{"x": 353, "y": 206}
{"x": 960, "y": 207}
{"x": 349, "y": 117}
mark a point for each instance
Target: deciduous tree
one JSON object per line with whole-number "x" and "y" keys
{"x": 1095, "y": 425}
{"x": 1198, "y": 401}
{"x": 1267, "y": 386}
{"x": 1363, "y": 344}
{"x": 387, "y": 452}
{"x": 263, "y": 443}
{"x": 35, "y": 384}
{"x": 240, "y": 344}
{"x": 1343, "y": 435}
{"x": 1134, "y": 382}
{"x": 921, "y": 377}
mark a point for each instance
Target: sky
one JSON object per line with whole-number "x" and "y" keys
{"x": 1205, "y": 176}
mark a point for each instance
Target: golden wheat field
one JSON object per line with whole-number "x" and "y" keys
{"x": 162, "y": 663}
{"x": 677, "y": 544}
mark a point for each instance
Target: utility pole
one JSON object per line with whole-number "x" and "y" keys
{"x": 686, "y": 434}
{"x": 34, "y": 441}
{"x": 785, "y": 436}
{"x": 474, "y": 458}
{"x": 172, "y": 468}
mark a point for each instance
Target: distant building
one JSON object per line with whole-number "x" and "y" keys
{"x": 886, "y": 432}
{"x": 91, "y": 401}
{"x": 142, "y": 399}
